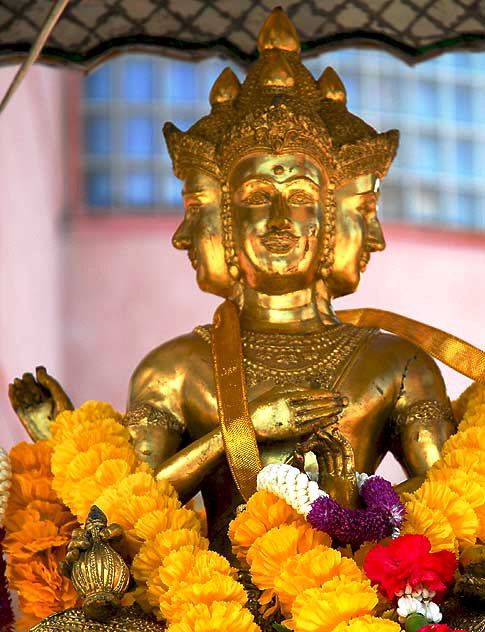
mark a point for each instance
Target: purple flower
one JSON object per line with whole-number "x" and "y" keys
{"x": 382, "y": 516}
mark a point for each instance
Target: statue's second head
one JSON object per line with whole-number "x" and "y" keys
{"x": 280, "y": 180}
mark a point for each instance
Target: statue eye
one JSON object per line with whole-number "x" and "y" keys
{"x": 258, "y": 198}
{"x": 193, "y": 208}
{"x": 301, "y": 197}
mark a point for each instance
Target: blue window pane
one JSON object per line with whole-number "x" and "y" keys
{"x": 429, "y": 154}
{"x": 466, "y": 211}
{"x": 427, "y": 104}
{"x": 463, "y": 103}
{"x": 140, "y": 189}
{"x": 181, "y": 81}
{"x": 353, "y": 88}
{"x": 98, "y": 187}
{"x": 172, "y": 191}
{"x": 98, "y": 84}
{"x": 390, "y": 95}
{"x": 98, "y": 135}
{"x": 139, "y": 137}
{"x": 465, "y": 163}
{"x": 137, "y": 82}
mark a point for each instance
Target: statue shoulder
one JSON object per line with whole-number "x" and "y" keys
{"x": 412, "y": 367}
{"x": 175, "y": 354}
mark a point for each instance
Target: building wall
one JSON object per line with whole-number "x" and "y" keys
{"x": 31, "y": 198}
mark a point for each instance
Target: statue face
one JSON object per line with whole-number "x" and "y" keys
{"x": 358, "y": 232}
{"x": 200, "y": 232}
{"x": 277, "y": 205}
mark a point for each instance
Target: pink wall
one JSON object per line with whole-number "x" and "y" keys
{"x": 31, "y": 198}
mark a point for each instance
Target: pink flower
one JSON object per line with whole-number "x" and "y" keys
{"x": 438, "y": 627}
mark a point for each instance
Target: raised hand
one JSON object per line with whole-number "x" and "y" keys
{"x": 336, "y": 463}
{"x": 293, "y": 412}
{"x": 37, "y": 401}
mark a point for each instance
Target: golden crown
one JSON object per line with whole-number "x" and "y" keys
{"x": 281, "y": 108}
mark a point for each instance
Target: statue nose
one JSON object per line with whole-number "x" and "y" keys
{"x": 181, "y": 238}
{"x": 376, "y": 236}
{"x": 278, "y": 213}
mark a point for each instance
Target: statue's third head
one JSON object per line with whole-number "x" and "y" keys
{"x": 284, "y": 155}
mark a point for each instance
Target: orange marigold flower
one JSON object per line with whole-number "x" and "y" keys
{"x": 311, "y": 570}
{"x": 472, "y": 438}
{"x": 69, "y": 422}
{"x": 338, "y": 600}
{"x": 41, "y": 589}
{"x": 26, "y": 487}
{"x": 217, "y": 616}
{"x": 270, "y": 551}
{"x": 31, "y": 457}
{"x": 153, "y": 522}
{"x": 263, "y": 512}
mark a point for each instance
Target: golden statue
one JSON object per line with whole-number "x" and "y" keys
{"x": 280, "y": 186}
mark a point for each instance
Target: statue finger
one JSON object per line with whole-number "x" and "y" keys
{"x": 52, "y": 385}
{"x": 310, "y": 396}
{"x": 13, "y": 397}
{"x": 72, "y": 556}
{"x": 317, "y": 403}
{"x": 327, "y": 416}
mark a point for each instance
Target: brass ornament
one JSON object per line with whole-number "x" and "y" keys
{"x": 100, "y": 576}
{"x": 75, "y": 620}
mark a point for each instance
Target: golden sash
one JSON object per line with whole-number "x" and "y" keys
{"x": 237, "y": 428}
{"x": 456, "y": 353}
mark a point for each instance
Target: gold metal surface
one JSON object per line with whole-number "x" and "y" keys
{"x": 281, "y": 186}
{"x": 99, "y": 574}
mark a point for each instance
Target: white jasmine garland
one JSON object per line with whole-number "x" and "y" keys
{"x": 408, "y": 604}
{"x": 5, "y": 478}
{"x": 288, "y": 483}
{"x": 432, "y": 612}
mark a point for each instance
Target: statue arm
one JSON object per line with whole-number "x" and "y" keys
{"x": 422, "y": 418}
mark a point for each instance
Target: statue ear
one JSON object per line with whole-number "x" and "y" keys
{"x": 331, "y": 86}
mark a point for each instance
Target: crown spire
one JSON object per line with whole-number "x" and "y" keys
{"x": 225, "y": 89}
{"x": 278, "y": 32}
{"x": 331, "y": 86}
{"x": 277, "y": 72}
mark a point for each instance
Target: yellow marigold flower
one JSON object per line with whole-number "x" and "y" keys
{"x": 322, "y": 609}
{"x": 263, "y": 512}
{"x": 472, "y": 438}
{"x": 214, "y": 617}
{"x": 367, "y": 623}
{"x": 152, "y": 554}
{"x": 269, "y": 552}
{"x": 458, "y": 512}
{"x": 460, "y": 459}
{"x": 471, "y": 394}
{"x": 153, "y": 522}
{"x": 173, "y": 603}
{"x": 421, "y": 519}
{"x": 311, "y": 570}
{"x": 68, "y": 422}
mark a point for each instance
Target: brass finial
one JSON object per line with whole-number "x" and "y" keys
{"x": 277, "y": 72}
{"x": 225, "y": 89}
{"x": 98, "y": 573}
{"x": 278, "y": 32}
{"x": 331, "y": 86}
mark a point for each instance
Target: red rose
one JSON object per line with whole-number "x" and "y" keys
{"x": 407, "y": 560}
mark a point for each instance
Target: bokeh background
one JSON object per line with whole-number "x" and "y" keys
{"x": 89, "y": 281}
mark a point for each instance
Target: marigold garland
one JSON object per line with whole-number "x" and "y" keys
{"x": 6, "y": 612}
{"x": 38, "y": 529}
{"x": 94, "y": 463}
{"x": 449, "y": 508}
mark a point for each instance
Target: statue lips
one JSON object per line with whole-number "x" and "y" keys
{"x": 364, "y": 260}
{"x": 279, "y": 242}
